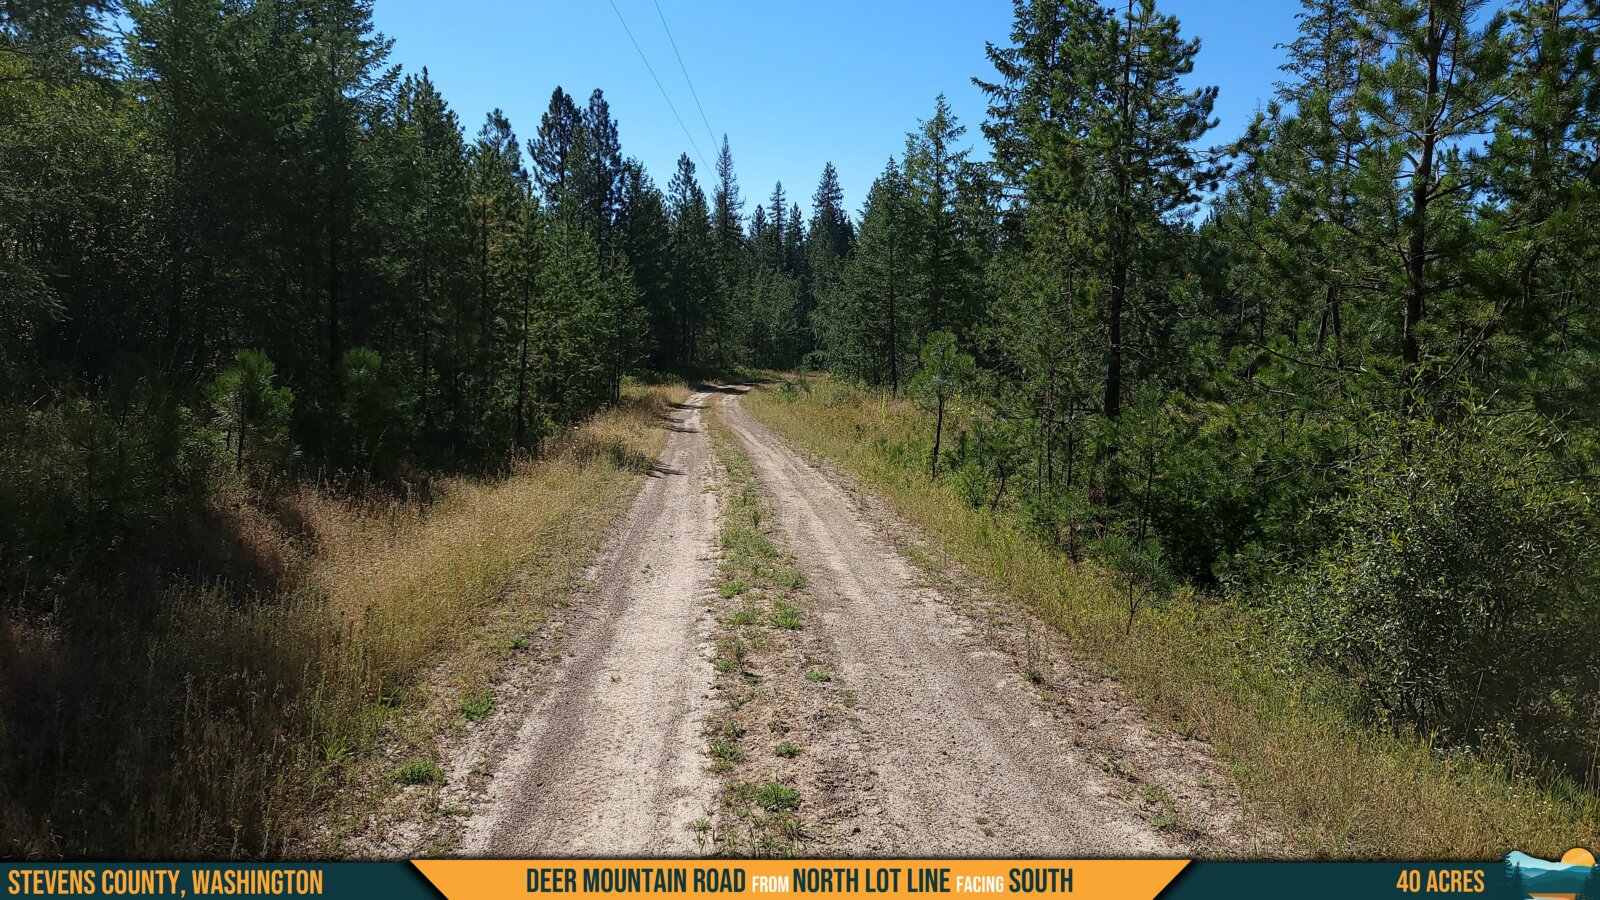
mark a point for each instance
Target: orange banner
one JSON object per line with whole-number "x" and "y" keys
{"x": 1100, "y": 879}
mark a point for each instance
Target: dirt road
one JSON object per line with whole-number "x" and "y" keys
{"x": 599, "y": 745}
{"x": 608, "y": 757}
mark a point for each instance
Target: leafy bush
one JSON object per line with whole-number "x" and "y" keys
{"x": 1234, "y": 486}
{"x": 1459, "y": 593}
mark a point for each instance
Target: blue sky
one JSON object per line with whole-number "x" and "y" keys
{"x": 793, "y": 84}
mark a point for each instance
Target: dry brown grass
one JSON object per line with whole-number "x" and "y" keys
{"x": 234, "y": 722}
{"x": 1334, "y": 789}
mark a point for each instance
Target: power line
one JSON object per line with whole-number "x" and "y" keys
{"x": 692, "y": 92}
{"x": 659, "y": 86}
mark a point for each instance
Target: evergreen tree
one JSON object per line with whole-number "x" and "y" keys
{"x": 348, "y": 87}
{"x": 646, "y": 235}
{"x": 830, "y": 239}
{"x": 551, "y": 148}
{"x": 426, "y": 175}
{"x": 933, "y": 173}
{"x": 1090, "y": 111}
{"x": 727, "y": 227}
{"x": 864, "y": 320}
{"x": 830, "y": 225}
{"x": 1440, "y": 86}
{"x": 692, "y": 250}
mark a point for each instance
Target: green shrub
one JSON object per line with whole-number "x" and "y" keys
{"x": 1460, "y": 592}
{"x": 787, "y": 616}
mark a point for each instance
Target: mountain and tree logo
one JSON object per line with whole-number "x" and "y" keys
{"x": 1574, "y": 876}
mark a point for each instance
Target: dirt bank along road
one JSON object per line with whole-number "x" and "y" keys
{"x": 600, "y": 747}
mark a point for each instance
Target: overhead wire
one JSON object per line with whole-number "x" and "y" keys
{"x": 685, "y": 70}
{"x": 659, "y": 86}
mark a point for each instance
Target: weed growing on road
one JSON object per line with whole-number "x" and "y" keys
{"x": 747, "y": 614}
{"x": 727, "y": 753}
{"x": 776, "y": 797}
{"x": 786, "y": 615}
{"x": 1163, "y": 810}
{"x": 761, "y": 617}
{"x": 730, "y": 654}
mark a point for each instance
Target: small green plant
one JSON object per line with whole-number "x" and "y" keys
{"x": 748, "y": 614}
{"x": 789, "y": 578}
{"x": 726, "y": 751}
{"x": 818, "y": 675}
{"x": 787, "y": 616}
{"x": 336, "y": 749}
{"x": 1037, "y": 665}
{"x": 730, "y": 654}
{"x": 731, "y": 588}
{"x": 1163, "y": 812}
{"x": 478, "y": 706}
{"x": 776, "y": 797}
{"x": 518, "y": 643}
{"x": 420, "y": 771}
{"x": 788, "y": 750}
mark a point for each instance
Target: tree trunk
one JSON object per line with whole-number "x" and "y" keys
{"x": 1417, "y": 240}
{"x": 1119, "y": 287}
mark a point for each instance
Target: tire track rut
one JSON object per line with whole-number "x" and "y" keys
{"x": 607, "y": 760}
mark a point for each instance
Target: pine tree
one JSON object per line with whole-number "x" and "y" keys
{"x": 728, "y": 206}
{"x": 551, "y": 148}
{"x": 830, "y": 227}
{"x": 426, "y": 177}
{"x": 496, "y": 181}
{"x": 933, "y": 173}
{"x": 693, "y": 258}
{"x": 830, "y": 239}
{"x": 770, "y": 246}
{"x": 1126, "y": 150}
{"x": 349, "y": 84}
{"x": 731, "y": 260}
{"x": 1440, "y": 86}
{"x": 645, "y": 236}
{"x": 863, "y": 322}
{"x": 1528, "y": 332}
{"x": 604, "y": 168}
